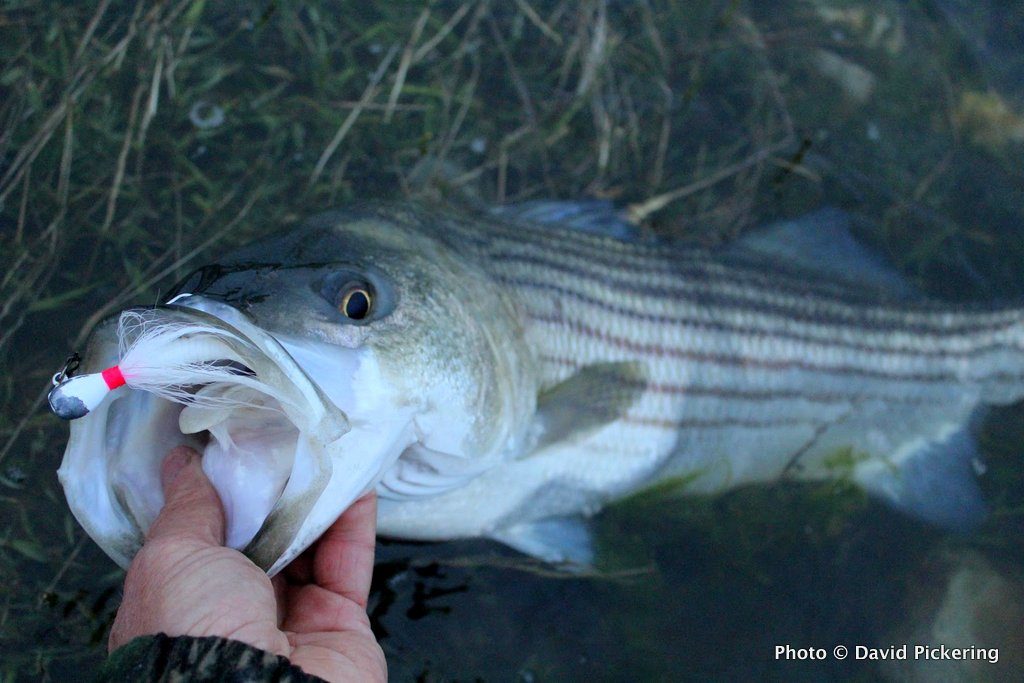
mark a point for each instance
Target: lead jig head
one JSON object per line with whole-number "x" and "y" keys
{"x": 73, "y": 397}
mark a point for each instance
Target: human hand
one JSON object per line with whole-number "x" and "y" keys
{"x": 184, "y": 581}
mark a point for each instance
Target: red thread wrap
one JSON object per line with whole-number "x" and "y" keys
{"x": 113, "y": 377}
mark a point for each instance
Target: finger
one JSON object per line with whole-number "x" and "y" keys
{"x": 314, "y": 609}
{"x": 344, "y": 558}
{"x": 191, "y": 508}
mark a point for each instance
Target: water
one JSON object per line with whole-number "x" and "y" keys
{"x": 906, "y": 114}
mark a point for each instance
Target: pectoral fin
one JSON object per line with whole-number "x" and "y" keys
{"x": 591, "y": 398}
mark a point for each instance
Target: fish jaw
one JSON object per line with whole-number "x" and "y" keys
{"x": 116, "y": 506}
{"x": 305, "y": 466}
{"x": 381, "y": 428}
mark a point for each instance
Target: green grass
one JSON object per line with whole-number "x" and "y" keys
{"x": 703, "y": 118}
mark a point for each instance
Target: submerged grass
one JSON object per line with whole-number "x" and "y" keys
{"x": 137, "y": 137}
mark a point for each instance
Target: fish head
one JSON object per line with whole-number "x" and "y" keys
{"x": 393, "y": 361}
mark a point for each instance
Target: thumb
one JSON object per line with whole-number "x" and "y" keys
{"x": 192, "y": 509}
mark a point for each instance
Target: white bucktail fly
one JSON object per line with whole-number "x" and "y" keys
{"x": 165, "y": 357}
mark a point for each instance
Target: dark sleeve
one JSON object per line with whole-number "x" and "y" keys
{"x": 184, "y": 658}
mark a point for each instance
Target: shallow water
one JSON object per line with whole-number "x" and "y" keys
{"x": 909, "y": 116}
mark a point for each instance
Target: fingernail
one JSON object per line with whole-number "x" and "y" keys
{"x": 174, "y": 463}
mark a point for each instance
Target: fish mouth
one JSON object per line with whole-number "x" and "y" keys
{"x": 269, "y": 436}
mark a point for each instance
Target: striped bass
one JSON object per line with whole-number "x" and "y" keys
{"x": 507, "y": 374}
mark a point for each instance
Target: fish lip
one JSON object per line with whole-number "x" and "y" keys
{"x": 115, "y": 495}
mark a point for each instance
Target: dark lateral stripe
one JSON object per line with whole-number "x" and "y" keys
{"x": 718, "y": 326}
{"x": 695, "y": 262}
{"x": 718, "y": 423}
{"x": 709, "y": 391}
{"x": 862, "y": 314}
{"x": 770, "y": 395}
{"x": 702, "y": 266}
{"x": 837, "y": 315}
{"x": 657, "y": 350}
{"x": 669, "y": 260}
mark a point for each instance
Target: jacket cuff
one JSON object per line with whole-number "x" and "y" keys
{"x": 185, "y": 658}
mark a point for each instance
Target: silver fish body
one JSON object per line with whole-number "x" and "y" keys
{"x": 755, "y": 371}
{"x": 524, "y": 375}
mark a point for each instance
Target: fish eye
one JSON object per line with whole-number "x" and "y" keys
{"x": 355, "y": 301}
{"x": 358, "y": 296}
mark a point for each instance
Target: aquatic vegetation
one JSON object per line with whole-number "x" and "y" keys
{"x": 989, "y": 119}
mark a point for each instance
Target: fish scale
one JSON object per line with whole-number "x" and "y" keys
{"x": 736, "y": 368}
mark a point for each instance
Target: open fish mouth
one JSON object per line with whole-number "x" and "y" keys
{"x": 224, "y": 386}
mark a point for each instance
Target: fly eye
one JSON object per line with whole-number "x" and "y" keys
{"x": 356, "y": 302}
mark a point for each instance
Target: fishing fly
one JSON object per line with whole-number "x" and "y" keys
{"x": 163, "y": 357}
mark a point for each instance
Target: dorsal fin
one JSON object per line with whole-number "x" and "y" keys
{"x": 596, "y": 216}
{"x": 822, "y": 243}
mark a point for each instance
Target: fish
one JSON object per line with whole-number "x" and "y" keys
{"x": 506, "y": 373}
